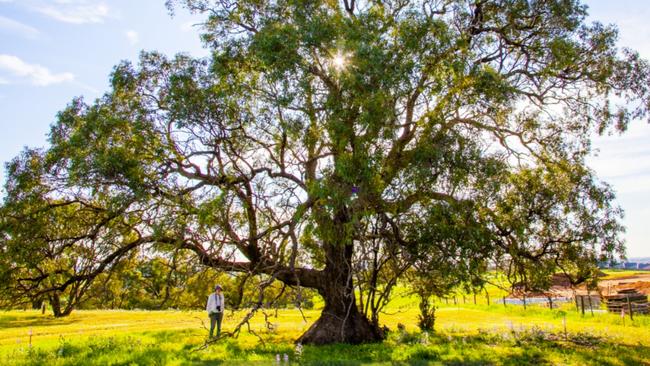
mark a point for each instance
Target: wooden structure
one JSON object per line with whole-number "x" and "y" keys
{"x": 587, "y": 302}
{"x": 628, "y": 302}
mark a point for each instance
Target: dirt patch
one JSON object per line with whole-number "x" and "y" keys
{"x": 639, "y": 282}
{"x": 640, "y": 286}
{"x": 560, "y": 280}
{"x": 561, "y": 286}
{"x": 631, "y": 277}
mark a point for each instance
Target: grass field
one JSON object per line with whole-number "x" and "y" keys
{"x": 465, "y": 334}
{"x": 613, "y": 274}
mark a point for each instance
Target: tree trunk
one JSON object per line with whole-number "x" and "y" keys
{"x": 68, "y": 308}
{"x": 55, "y": 302}
{"x": 427, "y": 318}
{"x": 341, "y": 321}
{"x": 57, "y": 310}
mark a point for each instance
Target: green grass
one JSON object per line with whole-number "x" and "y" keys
{"x": 465, "y": 334}
{"x": 613, "y": 274}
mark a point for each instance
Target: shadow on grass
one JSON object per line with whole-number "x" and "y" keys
{"x": 482, "y": 349}
{"x": 12, "y": 321}
{"x": 536, "y": 351}
{"x": 412, "y": 349}
{"x": 172, "y": 335}
{"x": 614, "y": 354}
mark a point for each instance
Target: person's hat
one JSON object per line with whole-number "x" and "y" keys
{"x": 217, "y": 287}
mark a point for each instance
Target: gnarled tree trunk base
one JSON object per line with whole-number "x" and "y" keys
{"x": 332, "y": 328}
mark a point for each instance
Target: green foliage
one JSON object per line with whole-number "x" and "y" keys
{"x": 180, "y": 283}
{"x": 327, "y": 143}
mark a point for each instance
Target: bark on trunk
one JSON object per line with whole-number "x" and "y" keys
{"x": 55, "y": 302}
{"x": 341, "y": 321}
{"x": 37, "y": 304}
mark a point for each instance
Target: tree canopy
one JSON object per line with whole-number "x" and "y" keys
{"x": 336, "y": 145}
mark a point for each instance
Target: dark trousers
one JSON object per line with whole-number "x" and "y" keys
{"x": 215, "y": 318}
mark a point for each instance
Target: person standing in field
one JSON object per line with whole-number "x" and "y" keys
{"x": 215, "y": 309}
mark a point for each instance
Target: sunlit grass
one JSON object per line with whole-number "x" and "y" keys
{"x": 465, "y": 333}
{"x": 613, "y": 274}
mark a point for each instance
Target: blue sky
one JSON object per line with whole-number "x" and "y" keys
{"x": 53, "y": 50}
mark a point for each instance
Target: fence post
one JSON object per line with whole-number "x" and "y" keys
{"x": 629, "y": 307}
{"x": 504, "y": 301}
{"x": 474, "y": 298}
{"x": 487, "y": 297}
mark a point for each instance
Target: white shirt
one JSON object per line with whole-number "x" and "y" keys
{"x": 213, "y": 302}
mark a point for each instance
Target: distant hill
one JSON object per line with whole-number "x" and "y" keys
{"x": 639, "y": 260}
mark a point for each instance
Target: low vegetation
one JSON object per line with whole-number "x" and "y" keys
{"x": 465, "y": 334}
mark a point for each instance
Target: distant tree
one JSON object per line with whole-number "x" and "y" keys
{"x": 460, "y": 127}
{"x": 158, "y": 282}
{"x": 542, "y": 220}
{"x": 54, "y": 246}
{"x": 449, "y": 251}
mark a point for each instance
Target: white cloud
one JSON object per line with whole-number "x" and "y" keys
{"x": 75, "y": 11}
{"x": 36, "y": 74}
{"x": 132, "y": 36}
{"x": 17, "y": 27}
{"x": 2, "y": 80}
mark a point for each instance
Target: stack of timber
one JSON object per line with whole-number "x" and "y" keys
{"x": 627, "y": 301}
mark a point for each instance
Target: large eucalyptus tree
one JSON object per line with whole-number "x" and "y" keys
{"x": 326, "y": 139}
